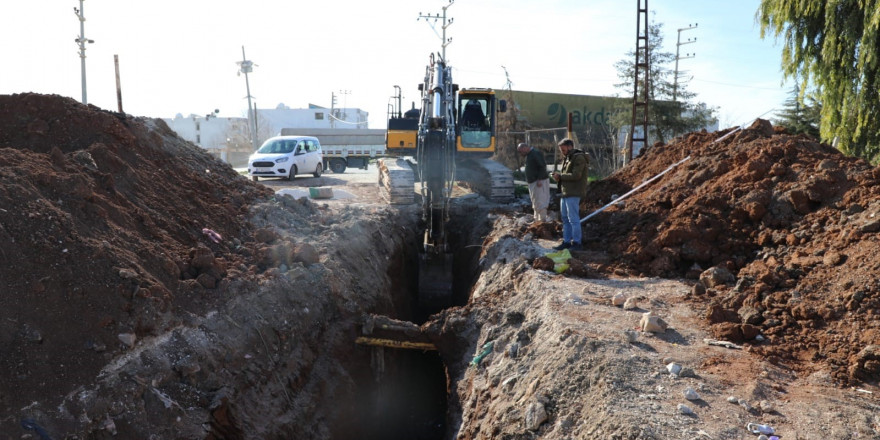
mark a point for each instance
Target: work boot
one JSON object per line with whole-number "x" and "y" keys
{"x": 575, "y": 247}
{"x": 561, "y": 246}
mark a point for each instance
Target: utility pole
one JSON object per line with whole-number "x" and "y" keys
{"x": 82, "y": 40}
{"x": 246, "y": 66}
{"x": 332, "y": 109}
{"x": 678, "y": 44}
{"x": 642, "y": 68}
{"x": 344, "y": 113}
{"x": 118, "y": 84}
{"x": 445, "y": 24}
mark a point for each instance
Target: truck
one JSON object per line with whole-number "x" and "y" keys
{"x": 345, "y": 147}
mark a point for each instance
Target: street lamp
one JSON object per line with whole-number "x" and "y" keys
{"x": 82, "y": 40}
{"x": 246, "y": 66}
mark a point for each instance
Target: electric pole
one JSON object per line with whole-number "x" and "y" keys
{"x": 82, "y": 40}
{"x": 246, "y": 66}
{"x": 332, "y": 109}
{"x": 446, "y": 24}
{"x": 344, "y": 113}
{"x": 678, "y": 44}
{"x": 642, "y": 68}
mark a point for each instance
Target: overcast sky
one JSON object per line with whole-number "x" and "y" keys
{"x": 180, "y": 56}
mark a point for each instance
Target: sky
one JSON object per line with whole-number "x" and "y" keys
{"x": 179, "y": 57}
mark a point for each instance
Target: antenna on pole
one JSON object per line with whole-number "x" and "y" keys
{"x": 81, "y": 41}
{"x": 445, "y": 24}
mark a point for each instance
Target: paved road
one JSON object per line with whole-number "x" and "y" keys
{"x": 354, "y": 185}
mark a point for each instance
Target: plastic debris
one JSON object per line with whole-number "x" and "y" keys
{"x": 487, "y": 348}
{"x": 727, "y": 344}
{"x": 560, "y": 260}
{"x": 756, "y": 428}
{"x": 212, "y": 235}
{"x": 31, "y": 425}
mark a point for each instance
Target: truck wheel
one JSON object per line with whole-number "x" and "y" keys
{"x": 292, "y": 174}
{"x": 337, "y": 165}
{"x": 318, "y": 170}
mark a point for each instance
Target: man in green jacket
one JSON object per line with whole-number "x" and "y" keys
{"x": 572, "y": 181}
{"x": 538, "y": 180}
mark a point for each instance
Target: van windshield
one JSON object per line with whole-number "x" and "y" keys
{"x": 279, "y": 146}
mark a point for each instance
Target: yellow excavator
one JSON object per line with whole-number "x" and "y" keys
{"x": 451, "y": 137}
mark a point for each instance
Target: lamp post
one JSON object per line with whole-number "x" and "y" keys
{"x": 246, "y": 66}
{"x": 82, "y": 40}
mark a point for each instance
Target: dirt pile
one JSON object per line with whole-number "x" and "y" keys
{"x": 114, "y": 230}
{"x": 794, "y": 220}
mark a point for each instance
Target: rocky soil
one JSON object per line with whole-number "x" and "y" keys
{"x": 149, "y": 291}
{"x": 793, "y": 221}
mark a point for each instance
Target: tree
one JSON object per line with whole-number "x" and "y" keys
{"x": 834, "y": 46}
{"x": 801, "y": 113}
{"x": 666, "y": 117}
{"x": 509, "y": 128}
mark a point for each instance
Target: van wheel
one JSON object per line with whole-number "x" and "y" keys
{"x": 292, "y": 174}
{"x": 318, "y": 170}
{"x": 255, "y": 178}
{"x": 337, "y": 165}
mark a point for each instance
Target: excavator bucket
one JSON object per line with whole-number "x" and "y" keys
{"x": 435, "y": 281}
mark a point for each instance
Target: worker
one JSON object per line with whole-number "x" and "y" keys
{"x": 538, "y": 180}
{"x": 572, "y": 181}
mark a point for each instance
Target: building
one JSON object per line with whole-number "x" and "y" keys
{"x": 229, "y": 138}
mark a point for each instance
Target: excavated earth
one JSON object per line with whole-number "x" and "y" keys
{"x": 794, "y": 220}
{"x": 149, "y": 291}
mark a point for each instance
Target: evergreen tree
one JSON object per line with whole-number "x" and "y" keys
{"x": 666, "y": 118}
{"x": 800, "y": 114}
{"x": 835, "y": 46}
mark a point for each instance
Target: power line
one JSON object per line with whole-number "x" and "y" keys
{"x": 736, "y": 85}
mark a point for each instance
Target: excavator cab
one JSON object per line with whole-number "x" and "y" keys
{"x": 475, "y": 130}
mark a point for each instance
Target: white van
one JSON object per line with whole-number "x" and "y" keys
{"x": 287, "y": 156}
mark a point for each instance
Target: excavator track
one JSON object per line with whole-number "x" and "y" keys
{"x": 489, "y": 178}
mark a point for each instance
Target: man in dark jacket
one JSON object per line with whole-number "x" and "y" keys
{"x": 538, "y": 180}
{"x": 572, "y": 180}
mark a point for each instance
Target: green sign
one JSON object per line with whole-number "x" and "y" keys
{"x": 550, "y": 110}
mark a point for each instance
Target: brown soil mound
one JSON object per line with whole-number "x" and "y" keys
{"x": 102, "y": 218}
{"x": 794, "y": 219}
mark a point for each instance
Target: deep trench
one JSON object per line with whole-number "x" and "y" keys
{"x": 407, "y": 400}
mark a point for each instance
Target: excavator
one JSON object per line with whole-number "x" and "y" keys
{"x": 451, "y": 137}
